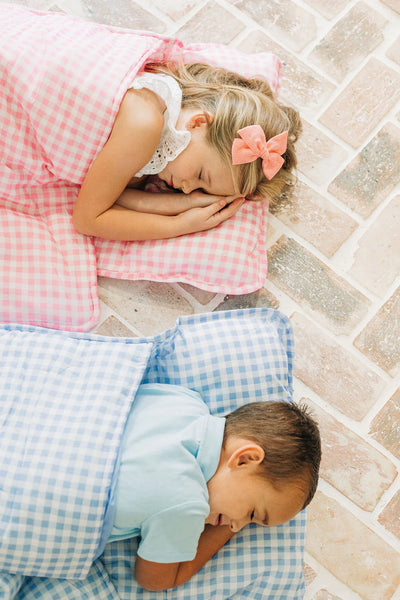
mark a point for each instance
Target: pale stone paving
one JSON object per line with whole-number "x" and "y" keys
{"x": 334, "y": 257}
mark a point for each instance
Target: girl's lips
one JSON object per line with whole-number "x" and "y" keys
{"x": 217, "y": 520}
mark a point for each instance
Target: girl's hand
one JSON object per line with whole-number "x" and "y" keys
{"x": 197, "y": 198}
{"x": 206, "y": 217}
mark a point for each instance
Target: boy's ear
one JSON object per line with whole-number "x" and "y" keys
{"x": 248, "y": 455}
{"x": 201, "y": 119}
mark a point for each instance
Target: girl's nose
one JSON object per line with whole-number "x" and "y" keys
{"x": 186, "y": 188}
{"x": 188, "y": 185}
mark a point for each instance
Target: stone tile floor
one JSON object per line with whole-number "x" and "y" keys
{"x": 334, "y": 257}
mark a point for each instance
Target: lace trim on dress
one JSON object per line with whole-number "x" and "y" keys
{"x": 172, "y": 141}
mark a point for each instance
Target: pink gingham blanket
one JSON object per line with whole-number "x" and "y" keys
{"x": 62, "y": 80}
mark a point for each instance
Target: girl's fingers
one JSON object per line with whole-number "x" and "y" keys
{"x": 223, "y": 209}
{"x": 202, "y": 199}
{"x": 232, "y": 198}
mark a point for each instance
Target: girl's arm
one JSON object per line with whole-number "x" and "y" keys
{"x": 133, "y": 140}
{"x": 161, "y": 576}
{"x": 132, "y": 143}
{"x": 165, "y": 203}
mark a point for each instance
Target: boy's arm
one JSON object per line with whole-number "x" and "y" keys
{"x": 161, "y": 576}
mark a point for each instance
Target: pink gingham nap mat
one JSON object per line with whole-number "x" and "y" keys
{"x": 62, "y": 80}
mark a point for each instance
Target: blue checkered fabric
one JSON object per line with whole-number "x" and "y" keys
{"x": 230, "y": 358}
{"x": 64, "y": 403}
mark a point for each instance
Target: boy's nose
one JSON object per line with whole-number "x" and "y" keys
{"x": 238, "y": 524}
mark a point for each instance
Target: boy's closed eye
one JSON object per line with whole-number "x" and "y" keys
{"x": 262, "y": 521}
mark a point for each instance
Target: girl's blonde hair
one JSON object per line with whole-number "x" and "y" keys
{"x": 236, "y": 102}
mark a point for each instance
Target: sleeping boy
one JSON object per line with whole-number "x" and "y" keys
{"x": 188, "y": 480}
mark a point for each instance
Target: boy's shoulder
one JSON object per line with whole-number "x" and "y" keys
{"x": 178, "y": 426}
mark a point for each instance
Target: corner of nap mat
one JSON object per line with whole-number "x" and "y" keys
{"x": 64, "y": 398}
{"x": 229, "y": 357}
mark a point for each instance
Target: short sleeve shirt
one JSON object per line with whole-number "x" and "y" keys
{"x": 171, "y": 447}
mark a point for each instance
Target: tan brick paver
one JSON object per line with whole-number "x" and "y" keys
{"x": 377, "y": 260}
{"x": 284, "y": 19}
{"x": 335, "y": 374}
{"x": 351, "y": 464}
{"x": 372, "y": 175}
{"x": 334, "y": 257}
{"x": 319, "y": 156}
{"x": 211, "y": 23}
{"x": 301, "y": 85}
{"x": 261, "y": 298}
{"x": 394, "y": 51}
{"x": 148, "y": 306}
{"x": 353, "y": 38}
{"x": 325, "y": 595}
{"x": 361, "y": 106}
{"x": 385, "y": 427}
{"x": 315, "y": 287}
{"x": 317, "y": 220}
{"x": 379, "y": 340}
{"x": 393, "y": 4}
{"x": 327, "y": 7}
{"x": 352, "y": 551}
{"x": 389, "y": 517}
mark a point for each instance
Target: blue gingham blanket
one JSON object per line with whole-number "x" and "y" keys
{"x": 64, "y": 399}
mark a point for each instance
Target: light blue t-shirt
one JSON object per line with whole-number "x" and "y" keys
{"x": 171, "y": 447}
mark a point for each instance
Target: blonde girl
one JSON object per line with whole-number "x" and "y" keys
{"x": 213, "y": 137}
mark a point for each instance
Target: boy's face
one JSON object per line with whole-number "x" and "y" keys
{"x": 199, "y": 166}
{"x": 238, "y": 496}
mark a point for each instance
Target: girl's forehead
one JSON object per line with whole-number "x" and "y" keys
{"x": 217, "y": 175}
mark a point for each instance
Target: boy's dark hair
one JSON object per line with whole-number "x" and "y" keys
{"x": 289, "y": 437}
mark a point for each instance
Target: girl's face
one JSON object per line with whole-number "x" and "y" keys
{"x": 199, "y": 166}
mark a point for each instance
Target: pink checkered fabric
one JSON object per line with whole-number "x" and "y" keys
{"x": 62, "y": 81}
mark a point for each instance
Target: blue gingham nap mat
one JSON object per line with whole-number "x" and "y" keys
{"x": 64, "y": 399}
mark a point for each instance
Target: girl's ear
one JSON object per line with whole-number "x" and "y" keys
{"x": 249, "y": 455}
{"x": 202, "y": 119}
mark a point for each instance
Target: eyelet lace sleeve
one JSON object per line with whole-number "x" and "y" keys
{"x": 172, "y": 141}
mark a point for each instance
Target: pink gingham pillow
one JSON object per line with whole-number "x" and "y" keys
{"x": 230, "y": 258}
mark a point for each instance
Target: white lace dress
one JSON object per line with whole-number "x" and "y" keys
{"x": 172, "y": 141}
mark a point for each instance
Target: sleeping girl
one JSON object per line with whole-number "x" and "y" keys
{"x": 211, "y": 135}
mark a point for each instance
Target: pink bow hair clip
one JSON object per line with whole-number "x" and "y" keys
{"x": 253, "y": 145}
